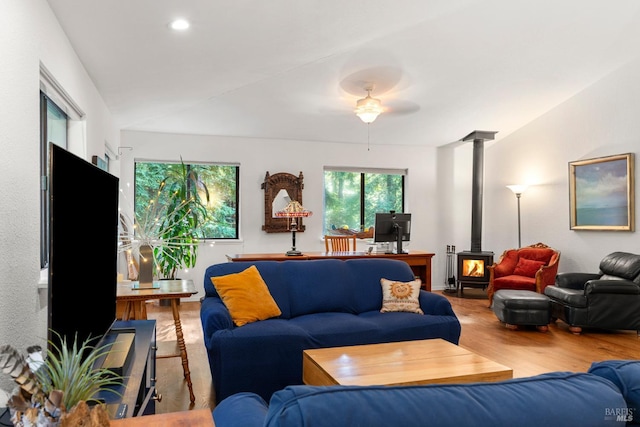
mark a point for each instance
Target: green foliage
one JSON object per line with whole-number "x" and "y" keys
{"x": 72, "y": 371}
{"x": 221, "y": 182}
{"x": 179, "y": 227}
{"x": 347, "y": 192}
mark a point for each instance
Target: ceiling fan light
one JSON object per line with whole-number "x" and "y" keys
{"x": 368, "y": 109}
{"x": 179, "y": 24}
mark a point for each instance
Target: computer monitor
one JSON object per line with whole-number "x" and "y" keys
{"x": 393, "y": 227}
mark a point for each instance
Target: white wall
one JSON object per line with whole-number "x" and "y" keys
{"x": 257, "y": 157}
{"x": 600, "y": 121}
{"x": 30, "y": 35}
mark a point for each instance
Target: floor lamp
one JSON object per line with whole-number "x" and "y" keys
{"x": 518, "y": 190}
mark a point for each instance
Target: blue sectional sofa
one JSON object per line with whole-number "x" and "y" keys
{"x": 607, "y": 395}
{"x": 324, "y": 303}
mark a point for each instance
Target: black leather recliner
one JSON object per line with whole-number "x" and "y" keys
{"x": 609, "y": 299}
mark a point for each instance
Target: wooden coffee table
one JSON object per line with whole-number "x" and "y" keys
{"x": 399, "y": 363}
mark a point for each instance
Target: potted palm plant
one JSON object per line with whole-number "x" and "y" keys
{"x": 164, "y": 235}
{"x": 179, "y": 228}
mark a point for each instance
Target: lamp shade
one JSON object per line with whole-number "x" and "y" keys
{"x": 368, "y": 108}
{"x": 293, "y": 210}
{"x": 518, "y": 189}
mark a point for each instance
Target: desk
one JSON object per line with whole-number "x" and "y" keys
{"x": 133, "y": 308}
{"x": 419, "y": 261}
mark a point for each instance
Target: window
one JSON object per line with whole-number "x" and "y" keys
{"x": 352, "y": 198}
{"x": 220, "y": 181}
{"x": 53, "y": 128}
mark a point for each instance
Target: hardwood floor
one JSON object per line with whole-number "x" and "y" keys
{"x": 170, "y": 378}
{"x": 526, "y": 351}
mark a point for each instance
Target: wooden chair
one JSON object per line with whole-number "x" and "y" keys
{"x": 340, "y": 243}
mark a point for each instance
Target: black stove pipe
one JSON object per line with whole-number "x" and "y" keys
{"x": 477, "y": 185}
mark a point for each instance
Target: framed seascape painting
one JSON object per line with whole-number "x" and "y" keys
{"x": 601, "y": 193}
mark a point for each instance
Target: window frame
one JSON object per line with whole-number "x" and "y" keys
{"x": 363, "y": 173}
{"x": 45, "y": 103}
{"x": 188, "y": 165}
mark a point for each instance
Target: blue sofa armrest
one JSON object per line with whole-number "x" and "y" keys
{"x": 243, "y": 409}
{"x": 625, "y": 374}
{"x": 214, "y": 316}
{"x": 435, "y": 304}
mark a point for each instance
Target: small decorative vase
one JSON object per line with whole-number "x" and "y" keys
{"x": 146, "y": 266}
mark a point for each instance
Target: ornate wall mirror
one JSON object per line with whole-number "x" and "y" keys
{"x": 280, "y": 189}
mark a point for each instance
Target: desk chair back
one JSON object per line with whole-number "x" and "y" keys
{"x": 340, "y": 243}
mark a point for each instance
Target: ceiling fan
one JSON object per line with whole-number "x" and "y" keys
{"x": 372, "y": 92}
{"x": 370, "y": 107}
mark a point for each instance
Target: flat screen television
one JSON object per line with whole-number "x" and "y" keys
{"x": 83, "y": 238}
{"x": 392, "y": 227}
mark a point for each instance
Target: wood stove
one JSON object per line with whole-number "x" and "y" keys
{"x": 473, "y": 264}
{"x": 473, "y": 271}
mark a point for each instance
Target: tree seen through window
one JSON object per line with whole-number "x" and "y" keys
{"x": 351, "y": 199}
{"x": 221, "y": 182}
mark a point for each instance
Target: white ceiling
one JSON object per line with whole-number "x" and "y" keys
{"x": 293, "y": 69}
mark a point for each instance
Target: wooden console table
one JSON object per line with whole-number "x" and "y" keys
{"x": 419, "y": 261}
{"x": 133, "y": 308}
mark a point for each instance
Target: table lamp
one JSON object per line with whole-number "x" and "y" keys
{"x": 293, "y": 210}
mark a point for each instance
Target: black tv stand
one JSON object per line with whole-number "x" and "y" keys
{"x": 120, "y": 344}
{"x": 136, "y": 359}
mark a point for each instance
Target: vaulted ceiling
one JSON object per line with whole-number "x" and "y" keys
{"x": 294, "y": 69}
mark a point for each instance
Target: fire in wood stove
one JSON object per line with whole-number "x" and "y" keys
{"x": 473, "y": 269}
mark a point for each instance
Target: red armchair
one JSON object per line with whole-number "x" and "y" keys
{"x": 531, "y": 268}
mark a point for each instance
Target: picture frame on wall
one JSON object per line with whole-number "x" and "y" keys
{"x": 101, "y": 163}
{"x": 601, "y": 193}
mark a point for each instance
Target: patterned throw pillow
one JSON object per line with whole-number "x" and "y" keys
{"x": 400, "y": 296}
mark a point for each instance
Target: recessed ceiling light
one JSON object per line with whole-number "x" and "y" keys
{"x": 179, "y": 24}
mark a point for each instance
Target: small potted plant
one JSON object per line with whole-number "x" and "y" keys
{"x": 55, "y": 391}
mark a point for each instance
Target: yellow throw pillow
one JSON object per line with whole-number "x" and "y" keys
{"x": 400, "y": 296}
{"x": 246, "y": 296}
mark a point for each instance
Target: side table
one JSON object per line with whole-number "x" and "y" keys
{"x": 133, "y": 302}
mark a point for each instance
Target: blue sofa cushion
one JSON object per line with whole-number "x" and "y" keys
{"x": 395, "y": 327}
{"x": 555, "y": 399}
{"x": 271, "y": 272}
{"x": 337, "y": 329}
{"x": 625, "y": 374}
{"x": 243, "y": 409}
